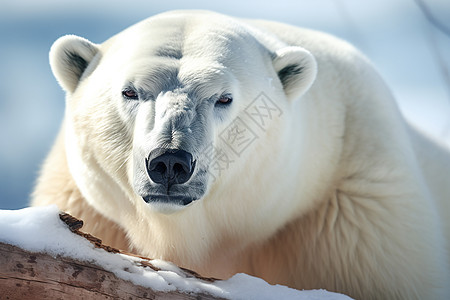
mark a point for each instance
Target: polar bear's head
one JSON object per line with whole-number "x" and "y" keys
{"x": 175, "y": 109}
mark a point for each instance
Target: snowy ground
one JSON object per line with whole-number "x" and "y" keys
{"x": 39, "y": 229}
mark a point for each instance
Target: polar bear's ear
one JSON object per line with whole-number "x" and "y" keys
{"x": 297, "y": 70}
{"x": 69, "y": 57}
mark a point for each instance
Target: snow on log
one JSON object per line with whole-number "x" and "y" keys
{"x": 44, "y": 255}
{"x": 27, "y": 275}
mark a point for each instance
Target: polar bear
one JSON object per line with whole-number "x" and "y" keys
{"x": 229, "y": 145}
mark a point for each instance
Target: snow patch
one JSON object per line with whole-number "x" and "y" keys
{"x": 39, "y": 229}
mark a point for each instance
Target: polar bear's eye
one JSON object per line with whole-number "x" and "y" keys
{"x": 224, "y": 100}
{"x": 130, "y": 94}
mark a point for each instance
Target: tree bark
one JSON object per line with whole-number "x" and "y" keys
{"x": 28, "y": 275}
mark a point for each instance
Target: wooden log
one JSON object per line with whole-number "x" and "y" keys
{"x": 28, "y": 275}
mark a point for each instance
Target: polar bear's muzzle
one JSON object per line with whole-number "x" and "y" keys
{"x": 170, "y": 166}
{"x": 166, "y": 168}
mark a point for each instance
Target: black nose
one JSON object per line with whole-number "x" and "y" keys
{"x": 170, "y": 166}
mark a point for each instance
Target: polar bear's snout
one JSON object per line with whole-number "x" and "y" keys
{"x": 168, "y": 172}
{"x": 170, "y": 166}
{"x": 169, "y": 169}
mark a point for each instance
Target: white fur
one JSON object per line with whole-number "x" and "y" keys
{"x": 336, "y": 192}
{"x": 287, "y": 55}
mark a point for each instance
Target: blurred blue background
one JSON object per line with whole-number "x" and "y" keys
{"x": 410, "y": 53}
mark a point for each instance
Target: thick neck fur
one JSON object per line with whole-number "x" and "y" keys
{"x": 56, "y": 186}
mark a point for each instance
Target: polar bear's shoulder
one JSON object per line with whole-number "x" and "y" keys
{"x": 310, "y": 39}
